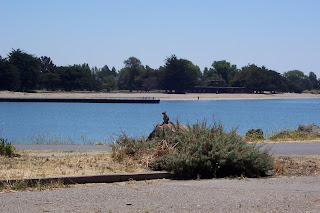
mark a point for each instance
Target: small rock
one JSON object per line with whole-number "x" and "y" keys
{"x": 309, "y": 128}
{"x": 164, "y": 129}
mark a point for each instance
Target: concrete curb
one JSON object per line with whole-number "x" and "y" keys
{"x": 92, "y": 178}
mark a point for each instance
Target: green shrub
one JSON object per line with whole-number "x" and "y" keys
{"x": 210, "y": 152}
{"x": 200, "y": 151}
{"x": 6, "y": 148}
{"x": 254, "y": 135}
{"x": 293, "y": 135}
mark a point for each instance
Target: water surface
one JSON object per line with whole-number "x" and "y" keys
{"x": 91, "y": 123}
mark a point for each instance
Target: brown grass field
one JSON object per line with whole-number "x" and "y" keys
{"x": 53, "y": 164}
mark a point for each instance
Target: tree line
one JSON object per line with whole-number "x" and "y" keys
{"x": 21, "y": 71}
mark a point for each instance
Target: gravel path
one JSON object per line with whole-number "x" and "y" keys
{"x": 280, "y": 194}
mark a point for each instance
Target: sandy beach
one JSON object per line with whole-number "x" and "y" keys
{"x": 161, "y": 96}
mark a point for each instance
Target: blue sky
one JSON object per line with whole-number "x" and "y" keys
{"x": 280, "y": 34}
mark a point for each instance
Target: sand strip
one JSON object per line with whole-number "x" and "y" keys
{"x": 161, "y": 96}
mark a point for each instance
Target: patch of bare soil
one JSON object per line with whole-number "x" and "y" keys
{"x": 297, "y": 165}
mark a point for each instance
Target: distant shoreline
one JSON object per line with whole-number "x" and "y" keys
{"x": 161, "y": 96}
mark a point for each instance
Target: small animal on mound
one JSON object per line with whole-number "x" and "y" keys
{"x": 165, "y": 118}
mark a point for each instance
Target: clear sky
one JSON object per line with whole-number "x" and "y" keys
{"x": 280, "y": 34}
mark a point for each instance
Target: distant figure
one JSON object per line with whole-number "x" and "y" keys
{"x": 198, "y": 98}
{"x": 165, "y": 118}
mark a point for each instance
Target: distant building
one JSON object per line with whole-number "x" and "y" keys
{"x": 218, "y": 86}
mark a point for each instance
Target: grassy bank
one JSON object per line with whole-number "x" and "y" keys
{"x": 75, "y": 163}
{"x": 282, "y": 136}
{"x": 51, "y": 164}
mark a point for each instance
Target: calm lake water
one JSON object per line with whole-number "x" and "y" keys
{"x": 91, "y": 123}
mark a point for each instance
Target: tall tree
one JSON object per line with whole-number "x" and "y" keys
{"x": 114, "y": 71}
{"x": 9, "y": 76}
{"x": 28, "y": 67}
{"x": 130, "y": 77}
{"x": 259, "y": 79}
{"x": 47, "y": 65}
{"x": 299, "y": 78}
{"x": 49, "y": 78}
{"x": 109, "y": 82}
{"x": 76, "y": 77}
{"x": 150, "y": 79}
{"x": 225, "y": 70}
{"x": 105, "y": 71}
{"x": 314, "y": 81}
{"x": 210, "y": 75}
{"x": 180, "y": 74}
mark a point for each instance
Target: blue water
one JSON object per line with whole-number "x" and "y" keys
{"x": 91, "y": 123}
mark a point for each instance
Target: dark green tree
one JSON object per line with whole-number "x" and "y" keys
{"x": 150, "y": 79}
{"x": 28, "y": 67}
{"x": 50, "y": 81}
{"x": 180, "y": 74}
{"x": 49, "y": 78}
{"x": 260, "y": 79}
{"x": 46, "y": 65}
{"x": 9, "y": 76}
{"x": 109, "y": 82}
{"x": 107, "y": 77}
{"x": 211, "y": 75}
{"x": 105, "y": 71}
{"x": 314, "y": 81}
{"x": 298, "y": 78}
{"x": 225, "y": 70}
{"x": 131, "y": 76}
{"x": 76, "y": 77}
{"x": 114, "y": 72}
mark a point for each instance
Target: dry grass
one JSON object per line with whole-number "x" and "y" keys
{"x": 75, "y": 163}
{"x": 61, "y": 164}
{"x": 297, "y": 165}
{"x": 25, "y": 186}
{"x": 144, "y": 157}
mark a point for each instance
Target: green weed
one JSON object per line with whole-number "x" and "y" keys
{"x": 25, "y": 185}
{"x": 295, "y": 135}
{"x": 6, "y": 148}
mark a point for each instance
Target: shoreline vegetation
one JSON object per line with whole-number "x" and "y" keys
{"x": 161, "y": 96}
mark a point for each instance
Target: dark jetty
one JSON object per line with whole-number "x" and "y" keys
{"x": 84, "y": 100}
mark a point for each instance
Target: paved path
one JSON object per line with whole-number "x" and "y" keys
{"x": 280, "y": 194}
{"x": 276, "y": 148}
{"x": 295, "y": 148}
